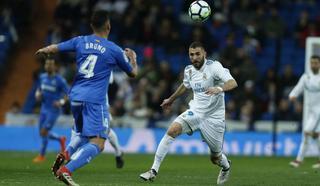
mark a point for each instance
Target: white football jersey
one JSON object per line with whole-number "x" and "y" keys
{"x": 311, "y": 84}
{"x": 211, "y": 74}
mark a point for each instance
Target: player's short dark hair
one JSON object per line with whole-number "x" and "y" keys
{"x": 196, "y": 44}
{"x": 315, "y": 57}
{"x": 99, "y": 18}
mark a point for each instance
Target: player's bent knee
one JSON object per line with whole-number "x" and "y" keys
{"x": 99, "y": 142}
{"x": 43, "y": 132}
{"x": 174, "y": 130}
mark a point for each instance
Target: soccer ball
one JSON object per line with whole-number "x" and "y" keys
{"x": 199, "y": 11}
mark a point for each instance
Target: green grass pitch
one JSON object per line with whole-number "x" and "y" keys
{"x": 16, "y": 168}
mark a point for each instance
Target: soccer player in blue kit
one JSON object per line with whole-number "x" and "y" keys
{"x": 77, "y": 140}
{"x": 52, "y": 90}
{"x": 96, "y": 57}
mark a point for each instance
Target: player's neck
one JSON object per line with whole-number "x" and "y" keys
{"x": 101, "y": 34}
{"x": 51, "y": 74}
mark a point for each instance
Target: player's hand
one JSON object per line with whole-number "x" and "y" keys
{"x": 59, "y": 103}
{"x": 131, "y": 54}
{"x": 213, "y": 90}
{"x": 166, "y": 103}
{"x": 41, "y": 53}
{"x": 38, "y": 96}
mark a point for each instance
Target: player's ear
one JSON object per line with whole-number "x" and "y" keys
{"x": 108, "y": 25}
{"x": 91, "y": 26}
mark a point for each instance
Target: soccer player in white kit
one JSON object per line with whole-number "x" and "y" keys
{"x": 208, "y": 81}
{"x": 311, "y": 128}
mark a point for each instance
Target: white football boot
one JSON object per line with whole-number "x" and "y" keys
{"x": 295, "y": 164}
{"x": 224, "y": 175}
{"x": 149, "y": 175}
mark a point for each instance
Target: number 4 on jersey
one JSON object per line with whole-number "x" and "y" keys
{"x": 88, "y": 65}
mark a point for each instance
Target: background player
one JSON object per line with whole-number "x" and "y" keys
{"x": 311, "y": 129}
{"x": 208, "y": 81}
{"x": 96, "y": 58}
{"x": 52, "y": 90}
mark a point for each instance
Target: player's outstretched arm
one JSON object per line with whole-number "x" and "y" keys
{"x": 229, "y": 85}
{"x": 48, "y": 50}
{"x": 298, "y": 89}
{"x": 168, "y": 102}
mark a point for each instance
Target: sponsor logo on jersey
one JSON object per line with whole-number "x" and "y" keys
{"x": 48, "y": 88}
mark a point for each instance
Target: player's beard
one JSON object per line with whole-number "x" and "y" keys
{"x": 315, "y": 70}
{"x": 198, "y": 64}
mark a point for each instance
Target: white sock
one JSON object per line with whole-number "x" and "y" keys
{"x": 223, "y": 162}
{"x": 303, "y": 148}
{"x": 161, "y": 152}
{"x": 113, "y": 139}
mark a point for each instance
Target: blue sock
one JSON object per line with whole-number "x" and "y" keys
{"x": 44, "y": 145}
{"x": 54, "y": 136}
{"x": 83, "y": 156}
{"x": 75, "y": 143}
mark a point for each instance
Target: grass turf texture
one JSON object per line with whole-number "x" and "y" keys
{"x": 16, "y": 168}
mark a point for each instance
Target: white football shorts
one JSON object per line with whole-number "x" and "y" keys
{"x": 211, "y": 129}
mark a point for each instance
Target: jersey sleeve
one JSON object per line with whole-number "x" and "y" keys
{"x": 122, "y": 60}
{"x": 298, "y": 89}
{"x": 186, "y": 77}
{"x": 221, "y": 73}
{"x": 69, "y": 45}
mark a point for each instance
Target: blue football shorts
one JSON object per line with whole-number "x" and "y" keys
{"x": 47, "y": 119}
{"x": 91, "y": 119}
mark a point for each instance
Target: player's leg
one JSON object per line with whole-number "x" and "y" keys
{"x": 174, "y": 130}
{"x": 306, "y": 138}
{"x": 94, "y": 125}
{"x": 316, "y": 137}
{"x": 212, "y": 131}
{"x": 76, "y": 140}
{"x": 308, "y": 128}
{"x": 52, "y": 118}
{"x": 44, "y": 139}
{"x": 113, "y": 139}
{"x": 185, "y": 123}
{"x": 85, "y": 153}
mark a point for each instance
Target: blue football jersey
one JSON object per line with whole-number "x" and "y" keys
{"x": 96, "y": 57}
{"x": 52, "y": 88}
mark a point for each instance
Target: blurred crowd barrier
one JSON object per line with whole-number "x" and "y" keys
{"x": 142, "y": 140}
{"x": 66, "y": 121}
